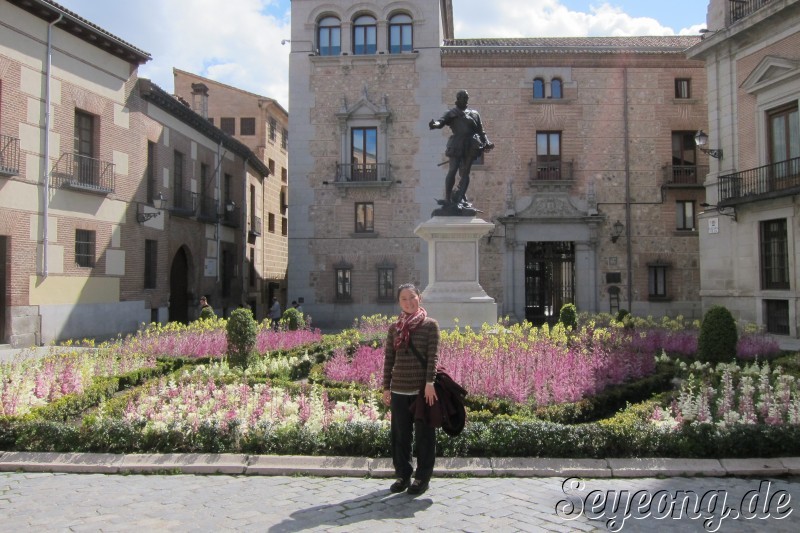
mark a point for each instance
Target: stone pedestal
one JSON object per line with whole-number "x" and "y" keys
{"x": 453, "y": 295}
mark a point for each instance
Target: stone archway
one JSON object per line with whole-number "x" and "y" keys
{"x": 179, "y": 288}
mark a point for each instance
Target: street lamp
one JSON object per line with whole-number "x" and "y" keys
{"x": 701, "y": 139}
{"x": 159, "y": 203}
{"x": 616, "y": 231}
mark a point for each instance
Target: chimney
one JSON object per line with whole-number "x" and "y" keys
{"x": 200, "y": 99}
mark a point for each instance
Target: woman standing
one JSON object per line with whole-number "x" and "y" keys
{"x": 403, "y": 377}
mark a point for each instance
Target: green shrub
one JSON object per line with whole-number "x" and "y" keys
{"x": 621, "y": 314}
{"x": 718, "y": 336}
{"x": 242, "y": 330}
{"x": 568, "y": 316}
{"x": 292, "y": 319}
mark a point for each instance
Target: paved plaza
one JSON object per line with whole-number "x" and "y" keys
{"x": 35, "y": 501}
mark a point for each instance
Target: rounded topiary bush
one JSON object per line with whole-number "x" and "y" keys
{"x": 718, "y": 336}
{"x": 568, "y": 316}
{"x": 292, "y": 319}
{"x": 242, "y": 330}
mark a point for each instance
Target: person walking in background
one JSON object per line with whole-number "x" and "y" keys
{"x": 275, "y": 312}
{"x": 206, "y": 311}
{"x": 403, "y": 377}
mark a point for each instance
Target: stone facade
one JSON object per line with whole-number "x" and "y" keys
{"x": 615, "y": 118}
{"x": 268, "y": 139}
{"x": 750, "y": 261}
{"x": 87, "y": 251}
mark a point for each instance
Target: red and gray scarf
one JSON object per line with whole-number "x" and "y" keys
{"x": 406, "y": 324}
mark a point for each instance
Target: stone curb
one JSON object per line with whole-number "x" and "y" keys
{"x": 327, "y": 466}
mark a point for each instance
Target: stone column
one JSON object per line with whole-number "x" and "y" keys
{"x": 454, "y": 295}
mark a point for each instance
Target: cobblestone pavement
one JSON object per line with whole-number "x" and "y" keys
{"x": 97, "y": 502}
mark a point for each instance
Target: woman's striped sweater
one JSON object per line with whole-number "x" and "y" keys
{"x": 402, "y": 370}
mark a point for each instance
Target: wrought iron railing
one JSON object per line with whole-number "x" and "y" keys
{"x": 208, "y": 209}
{"x": 685, "y": 174}
{"x": 760, "y": 181}
{"x": 550, "y": 170}
{"x": 231, "y": 216}
{"x": 362, "y": 172}
{"x": 84, "y": 173}
{"x": 739, "y": 9}
{"x": 184, "y": 203}
{"x": 9, "y": 155}
{"x": 255, "y": 225}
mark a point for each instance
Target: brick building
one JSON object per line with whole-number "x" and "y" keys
{"x": 750, "y": 245}
{"x": 261, "y": 124}
{"x": 593, "y": 187}
{"x": 113, "y": 202}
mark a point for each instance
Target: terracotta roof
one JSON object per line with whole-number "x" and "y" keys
{"x": 83, "y": 29}
{"x": 641, "y": 44}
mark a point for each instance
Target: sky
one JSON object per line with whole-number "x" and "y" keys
{"x": 238, "y": 42}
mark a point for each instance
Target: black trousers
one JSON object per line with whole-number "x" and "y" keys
{"x": 404, "y": 427}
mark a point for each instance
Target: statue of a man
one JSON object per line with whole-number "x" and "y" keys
{"x": 467, "y": 142}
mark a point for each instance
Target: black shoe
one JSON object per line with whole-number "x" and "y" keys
{"x": 418, "y": 487}
{"x": 399, "y": 485}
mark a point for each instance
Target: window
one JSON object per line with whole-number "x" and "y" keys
{"x": 774, "y": 255}
{"x": 273, "y": 128}
{"x": 283, "y": 199}
{"x": 684, "y": 215}
{"x": 284, "y": 138}
{"x": 684, "y": 157}
{"x": 657, "y": 280}
{"x": 228, "y": 125}
{"x": 226, "y": 188}
{"x": 364, "y": 153}
{"x": 252, "y": 280}
{"x": 247, "y": 126}
{"x": 784, "y": 135}
{"x": 329, "y": 37}
{"x": 151, "y": 171}
{"x": 365, "y": 222}
{"x": 284, "y": 226}
{"x": 284, "y": 175}
{"x": 271, "y": 166}
{"x": 84, "y": 248}
{"x": 385, "y": 283}
{"x": 364, "y": 35}
{"x": 555, "y": 89}
{"x": 538, "y": 88}
{"x": 400, "y": 34}
{"x": 683, "y": 88}
{"x": 271, "y": 223}
{"x": 86, "y": 172}
{"x": 343, "y": 286}
{"x": 548, "y": 155}
{"x": 177, "y": 179}
{"x": 150, "y": 263}
{"x": 776, "y": 313}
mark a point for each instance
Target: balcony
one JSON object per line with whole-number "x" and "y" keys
{"x": 362, "y": 173}
{"x": 739, "y": 9}
{"x": 684, "y": 175}
{"x": 82, "y": 173}
{"x": 255, "y": 227}
{"x": 550, "y": 170}
{"x": 760, "y": 183}
{"x": 9, "y": 156}
{"x": 184, "y": 203}
{"x": 208, "y": 210}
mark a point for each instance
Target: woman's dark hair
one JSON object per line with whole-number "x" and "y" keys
{"x": 409, "y": 286}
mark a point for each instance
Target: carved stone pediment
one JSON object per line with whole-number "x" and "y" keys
{"x": 771, "y": 71}
{"x": 551, "y": 206}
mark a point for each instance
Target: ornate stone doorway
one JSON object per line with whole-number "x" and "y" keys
{"x": 549, "y": 280}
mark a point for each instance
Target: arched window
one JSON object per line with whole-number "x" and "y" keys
{"x": 400, "y": 34}
{"x": 329, "y": 37}
{"x": 538, "y": 88}
{"x": 365, "y": 35}
{"x": 555, "y": 88}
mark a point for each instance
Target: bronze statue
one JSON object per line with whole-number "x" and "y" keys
{"x": 467, "y": 142}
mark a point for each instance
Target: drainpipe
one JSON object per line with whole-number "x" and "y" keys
{"x": 46, "y": 176}
{"x": 220, "y": 202}
{"x": 626, "y": 148}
